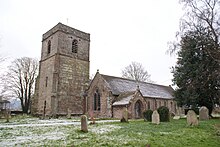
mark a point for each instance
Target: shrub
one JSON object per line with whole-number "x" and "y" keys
{"x": 147, "y": 115}
{"x": 164, "y": 113}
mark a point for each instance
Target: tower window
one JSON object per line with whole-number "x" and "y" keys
{"x": 46, "y": 81}
{"x": 97, "y": 102}
{"x": 48, "y": 47}
{"x": 74, "y": 46}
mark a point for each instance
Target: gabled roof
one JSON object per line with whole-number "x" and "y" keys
{"x": 122, "y": 85}
{"x": 124, "y": 98}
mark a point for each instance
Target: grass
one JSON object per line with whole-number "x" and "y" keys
{"x": 135, "y": 133}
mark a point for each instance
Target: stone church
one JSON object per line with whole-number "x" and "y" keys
{"x": 63, "y": 84}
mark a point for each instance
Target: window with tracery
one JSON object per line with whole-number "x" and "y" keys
{"x": 74, "y": 46}
{"x": 97, "y": 101}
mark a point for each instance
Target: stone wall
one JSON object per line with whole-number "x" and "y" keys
{"x": 63, "y": 74}
{"x": 45, "y": 84}
{"x": 118, "y": 111}
{"x": 105, "y": 95}
{"x": 73, "y": 81}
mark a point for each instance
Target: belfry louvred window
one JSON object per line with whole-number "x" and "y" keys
{"x": 74, "y": 46}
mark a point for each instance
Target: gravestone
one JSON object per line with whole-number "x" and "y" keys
{"x": 155, "y": 117}
{"x": 68, "y": 113}
{"x": 84, "y": 123}
{"x": 7, "y": 115}
{"x": 192, "y": 118}
{"x": 124, "y": 115}
{"x": 203, "y": 113}
{"x": 92, "y": 117}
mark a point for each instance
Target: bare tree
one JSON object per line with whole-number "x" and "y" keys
{"x": 136, "y": 72}
{"x": 20, "y": 79}
{"x": 205, "y": 13}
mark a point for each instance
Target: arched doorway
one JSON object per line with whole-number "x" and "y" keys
{"x": 138, "y": 109}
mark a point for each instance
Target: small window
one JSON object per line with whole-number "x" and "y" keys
{"x": 165, "y": 103}
{"x": 46, "y": 81}
{"x": 171, "y": 105}
{"x": 48, "y": 47}
{"x": 74, "y": 46}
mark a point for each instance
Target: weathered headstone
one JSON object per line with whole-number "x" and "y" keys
{"x": 92, "y": 117}
{"x": 216, "y": 112}
{"x": 155, "y": 117}
{"x": 192, "y": 118}
{"x": 203, "y": 113}
{"x": 84, "y": 123}
{"x": 7, "y": 115}
{"x": 124, "y": 115}
{"x": 68, "y": 113}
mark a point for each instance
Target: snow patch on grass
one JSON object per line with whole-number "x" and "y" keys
{"x": 104, "y": 129}
{"x": 31, "y": 138}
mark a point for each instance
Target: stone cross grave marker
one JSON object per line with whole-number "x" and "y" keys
{"x": 203, "y": 113}
{"x": 192, "y": 118}
{"x": 155, "y": 117}
{"x": 84, "y": 123}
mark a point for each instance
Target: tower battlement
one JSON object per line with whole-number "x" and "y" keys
{"x": 66, "y": 29}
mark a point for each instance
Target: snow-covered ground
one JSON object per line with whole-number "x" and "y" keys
{"x": 36, "y": 132}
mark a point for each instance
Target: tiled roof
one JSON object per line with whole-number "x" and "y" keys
{"x": 122, "y": 85}
{"x": 124, "y": 99}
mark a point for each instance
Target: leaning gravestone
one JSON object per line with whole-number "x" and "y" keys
{"x": 192, "y": 118}
{"x": 84, "y": 123}
{"x": 124, "y": 115}
{"x": 155, "y": 117}
{"x": 203, "y": 113}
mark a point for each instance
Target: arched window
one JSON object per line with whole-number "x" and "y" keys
{"x": 148, "y": 104}
{"x": 74, "y": 46}
{"x": 171, "y": 106}
{"x": 165, "y": 103}
{"x": 48, "y": 47}
{"x": 97, "y": 101}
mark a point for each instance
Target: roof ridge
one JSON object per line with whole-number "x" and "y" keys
{"x": 134, "y": 80}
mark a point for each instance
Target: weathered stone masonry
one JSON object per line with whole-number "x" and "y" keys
{"x": 62, "y": 86}
{"x": 63, "y": 74}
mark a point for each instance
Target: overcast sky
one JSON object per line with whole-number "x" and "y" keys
{"x": 121, "y": 31}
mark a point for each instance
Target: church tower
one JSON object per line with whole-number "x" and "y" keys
{"x": 63, "y": 72}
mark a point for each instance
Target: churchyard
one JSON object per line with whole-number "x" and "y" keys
{"x": 32, "y": 131}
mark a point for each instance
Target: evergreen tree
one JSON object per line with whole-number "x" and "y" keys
{"x": 197, "y": 73}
